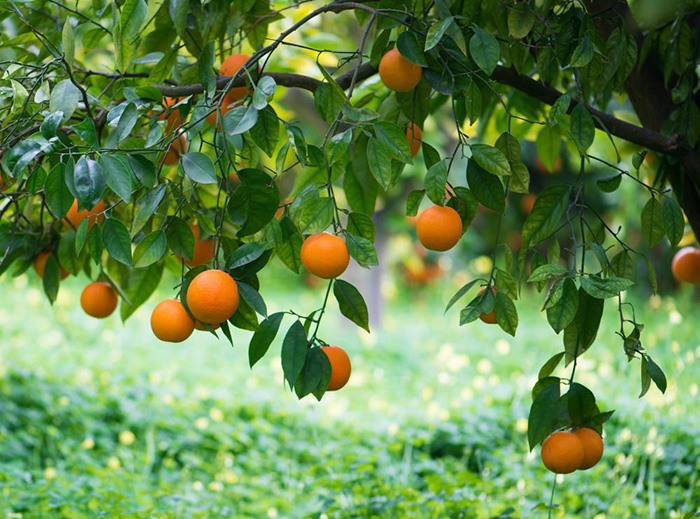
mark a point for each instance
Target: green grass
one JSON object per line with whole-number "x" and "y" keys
{"x": 99, "y": 419}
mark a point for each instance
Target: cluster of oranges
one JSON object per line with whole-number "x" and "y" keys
{"x": 564, "y": 452}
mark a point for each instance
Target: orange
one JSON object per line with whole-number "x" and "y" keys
{"x": 170, "y": 321}
{"x": 539, "y": 165}
{"x": 178, "y": 147}
{"x": 562, "y": 452}
{"x": 325, "y": 255}
{"x": 172, "y": 116}
{"x": 202, "y": 327}
{"x": 592, "y": 447}
{"x": 99, "y": 299}
{"x": 230, "y": 67}
{"x": 95, "y": 214}
{"x": 415, "y": 138}
{"x": 527, "y": 202}
{"x": 340, "y": 366}
{"x": 489, "y": 318}
{"x": 40, "y": 264}
{"x": 397, "y": 73}
{"x": 203, "y": 250}
{"x": 686, "y": 265}
{"x": 439, "y": 228}
{"x": 227, "y": 103}
{"x": 212, "y": 296}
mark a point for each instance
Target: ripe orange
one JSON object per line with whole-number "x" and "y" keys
{"x": 226, "y": 104}
{"x": 540, "y": 167}
{"x": 592, "y": 447}
{"x": 527, "y": 202}
{"x": 95, "y": 214}
{"x": 203, "y": 250}
{"x": 686, "y": 265}
{"x": 490, "y": 317}
{"x": 172, "y": 116}
{"x": 40, "y": 264}
{"x": 212, "y": 296}
{"x": 439, "y": 228}
{"x": 325, "y": 255}
{"x": 230, "y": 67}
{"x": 415, "y": 138}
{"x": 99, "y": 299}
{"x": 397, "y": 73}
{"x": 170, "y": 321}
{"x": 340, "y": 366}
{"x": 562, "y": 452}
{"x": 178, "y": 147}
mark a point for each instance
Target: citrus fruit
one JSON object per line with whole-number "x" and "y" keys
{"x": 340, "y": 366}
{"x": 96, "y": 214}
{"x": 686, "y": 265}
{"x": 227, "y": 103}
{"x": 203, "y": 249}
{"x": 99, "y": 299}
{"x": 325, "y": 255}
{"x": 40, "y": 264}
{"x": 592, "y": 446}
{"x": 397, "y": 73}
{"x": 212, "y": 296}
{"x": 489, "y": 317}
{"x": 415, "y": 138}
{"x": 439, "y": 228}
{"x": 169, "y": 114}
{"x": 170, "y": 321}
{"x": 562, "y": 452}
{"x": 230, "y": 67}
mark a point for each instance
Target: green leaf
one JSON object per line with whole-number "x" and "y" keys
{"x": 583, "y": 53}
{"x": 263, "y": 337}
{"x": 245, "y": 317}
{"x": 149, "y": 250}
{"x": 394, "y": 140}
{"x": 546, "y": 215}
{"x": 68, "y": 40}
{"x": 413, "y": 201}
{"x": 51, "y": 281}
{"x": 604, "y": 288}
{"x": 89, "y": 182}
{"x": 487, "y": 188}
{"x": 240, "y": 119}
{"x": 581, "y": 404}
{"x": 254, "y": 202}
{"x": 316, "y": 215}
{"x": 315, "y": 376}
{"x": 656, "y": 374}
{"x": 652, "y": 222}
{"x": 548, "y": 145}
{"x": 253, "y": 298}
{"x": 436, "y": 32}
{"x": 673, "y": 223}
{"x": 484, "y": 50}
{"x": 294, "y": 349}
{"x": 94, "y": 242}
{"x": 351, "y": 303}
{"x": 180, "y": 238}
{"x": 265, "y": 133}
{"x": 329, "y": 100}
{"x": 581, "y": 333}
{"x": 547, "y": 272}
{"x": 199, "y": 167}
{"x": 560, "y": 108}
{"x": 610, "y": 184}
{"x": 146, "y": 205}
{"x": 410, "y": 48}
{"x": 549, "y": 366}
{"x": 582, "y": 127}
{"x": 134, "y": 13}
{"x": 81, "y": 234}
{"x": 140, "y": 285}
{"x": 287, "y": 242}
{"x": 361, "y": 249}
{"x": 379, "y": 160}
{"x": 205, "y": 67}
{"x": 520, "y": 21}
{"x": 178, "y": 13}
{"x": 58, "y": 196}
{"x": 543, "y": 412}
{"x": 435, "y": 181}
{"x": 362, "y": 225}
{"x": 491, "y": 159}
{"x": 245, "y": 254}
{"x": 506, "y": 313}
{"x": 115, "y": 237}
{"x": 65, "y": 97}
{"x": 561, "y": 313}
{"x": 460, "y": 293}
{"x": 118, "y": 175}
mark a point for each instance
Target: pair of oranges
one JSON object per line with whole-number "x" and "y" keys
{"x": 564, "y": 452}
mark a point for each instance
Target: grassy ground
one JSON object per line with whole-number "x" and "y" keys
{"x": 99, "y": 419}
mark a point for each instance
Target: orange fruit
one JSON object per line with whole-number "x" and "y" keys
{"x": 99, "y": 299}
{"x": 325, "y": 255}
{"x": 227, "y": 103}
{"x": 203, "y": 327}
{"x": 203, "y": 250}
{"x": 340, "y": 366}
{"x": 170, "y": 321}
{"x": 397, "y": 73}
{"x": 490, "y": 317}
{"x": 230, "y": 67}
{"x": 172, "y": 117}
{"x": 592, "y": 447}
{"x": 439, "y": 228}
{"x": 415, "y": 138}
{"x": 527, "y": 202}
{"x": 686, "y": 265}
{"x": 562, "y": 452}
{"x": 40, "y": 264}
{"x": 212, "y": 296}
{"x": 539, "y": 166}
{"x": 178, "y": 147}
{"x": 94, "y": 215}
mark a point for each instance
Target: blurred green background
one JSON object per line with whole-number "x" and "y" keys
{"x": 99, "y": 419}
